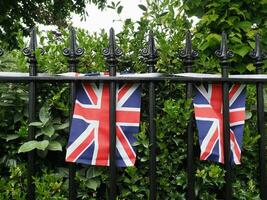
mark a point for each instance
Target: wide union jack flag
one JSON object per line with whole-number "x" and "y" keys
{"x": 89, "y": 136}
{"x": 209, "y": 118}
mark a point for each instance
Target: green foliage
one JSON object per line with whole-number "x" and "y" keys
{"x": 50, "y": 186}
{"x": 17, "y": 15}
{"x": 14, "y": 186}
{"x": 168, "y": 21}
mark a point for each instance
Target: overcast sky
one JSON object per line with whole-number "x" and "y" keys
{"x": 97, "y": 19}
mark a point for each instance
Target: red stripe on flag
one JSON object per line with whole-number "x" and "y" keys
{"x": 90, "y": 92}
{"x": 125, "y": 88}
{"x": 233, "y": 90}
{"x": 128, "y": 149}
{"x": 82, "y": 147}
{"x": 216, "y": 97}
{"x": 127, "y": 116}
{"x": 210, "y": 145}
{"x": 207, "y": 112}
{"x": 237, "y": 116}
{"x": 236, "y": 148}
{"x": 103, "y": 131}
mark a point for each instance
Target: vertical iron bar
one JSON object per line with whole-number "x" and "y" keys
{"x": 224, "y": 54}
{"x": 111, "y": 53}
{"x": 30, "y": 53}
{"x": 259, "y": 56}
{"x": 1, "y": 52}
{"x": 150, "y": 53}
{"x": 72, "y": 53}
{"x": 188, "y": 55}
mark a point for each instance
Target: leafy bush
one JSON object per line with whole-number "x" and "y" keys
{"x": 168, "y": 19}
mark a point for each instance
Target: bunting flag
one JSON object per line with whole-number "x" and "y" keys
{"x": 209, "y": 119}
{"x": 89, "y": 135}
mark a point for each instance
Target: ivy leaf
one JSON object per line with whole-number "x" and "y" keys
{"x": 54, "y": 146}
{"x": 142, "y": 7}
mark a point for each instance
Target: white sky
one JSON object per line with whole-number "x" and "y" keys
{"x": 97, "y": 19}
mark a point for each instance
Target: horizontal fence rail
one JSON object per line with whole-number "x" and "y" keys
{"x": 51, "y": 79}
{"x": 150, "y": 79}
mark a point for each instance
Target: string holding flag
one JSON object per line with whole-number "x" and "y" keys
{"x": 89, "y": 136}
{"x": 209, "y": 119}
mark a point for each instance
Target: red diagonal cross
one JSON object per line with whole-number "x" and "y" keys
{"x": 102, "y": 116}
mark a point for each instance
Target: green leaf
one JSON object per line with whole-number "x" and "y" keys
{"x": 251, "y": 67}
{"x": 33, "y": 144}
{"x": 48, "y": 130}
{"x": 93, "y": 184}
{"x": 28, "y": 146}
{"x": 54, "y": 146}
{"x": 248, "y": 115}
{"x": 61, "y": 126}
{"x": 142, "y": 7}
{"x": 42, "y": 145}
{"x": 119, "y": 9}
{"x": 93, "y": 172}
{"x": 241, "y": 50}
{"x": 10, "y": 137}
{"x": 245, "y": 25}
{"x": 38, "y": 124}
{"x": 44, "y": 114}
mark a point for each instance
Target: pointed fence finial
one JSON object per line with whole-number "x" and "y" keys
{"x": 188, "y": 54}
{"x": 30, "y": 51}
{"x": 73, "y": 51}
{"x": 150, "y": 53}
{"x": 257, "y": 53}
{"x": 112, "y": 52}
{"x": 224, "y": 53}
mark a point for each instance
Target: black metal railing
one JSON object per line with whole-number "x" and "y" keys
{"x": 150, "y": 54}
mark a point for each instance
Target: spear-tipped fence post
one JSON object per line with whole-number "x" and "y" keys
{"x": 188, "y": 55}
{"x": 73, "y": 52}
{"x": 258, "y": 55}
{"x": 111, "y": 54}
{"x": 150, "y": 54}
{"x": 30, "y": 53}
{"x": 224, "y": 54}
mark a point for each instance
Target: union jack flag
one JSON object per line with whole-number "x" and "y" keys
{"x": 209, "y": 118}
{"x": 89, "y": 136}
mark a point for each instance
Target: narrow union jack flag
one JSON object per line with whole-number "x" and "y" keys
{"x": 89, "y": 135}
{"x": 209, "y": 118}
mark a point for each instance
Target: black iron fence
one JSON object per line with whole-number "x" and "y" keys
{"x": 150, "y": 53}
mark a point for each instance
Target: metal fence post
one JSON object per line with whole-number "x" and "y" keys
{"x": 72, "y": 53}
{"x": 150, "y": 53}
{"x": 111, "y": 53}
{"x": 30, "y": 53}
{"x": 1, "y": 52}
{"x": 259, "y": 56}
{"x": 224, "y": 54}
{"x": 188, "y": 55}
